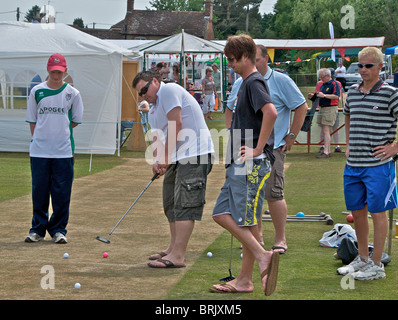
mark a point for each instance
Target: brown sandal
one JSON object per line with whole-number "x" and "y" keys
{"x": 272, "y": 272}
{"x": 157, "y": 256}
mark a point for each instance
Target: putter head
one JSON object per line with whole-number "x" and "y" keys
{"x": 227, "y": 279}
{"x": 102, "y": 239}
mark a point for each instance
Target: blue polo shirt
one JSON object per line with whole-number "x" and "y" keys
{"x": 285, "y": 96}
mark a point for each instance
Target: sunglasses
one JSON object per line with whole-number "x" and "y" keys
{"x": 144, "y": 89}
{"x": 367, "y": 66}
{"x": 230, "y": 59}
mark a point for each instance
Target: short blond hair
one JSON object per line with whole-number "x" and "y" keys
{"x": 371, "y": 52}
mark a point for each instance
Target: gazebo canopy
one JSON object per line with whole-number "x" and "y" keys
{"x": 181, "y": 42}
{"x": 392, "y": 50}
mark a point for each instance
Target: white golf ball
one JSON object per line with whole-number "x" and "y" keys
{"x": 241, "y": 255}
{"x": 77, "y": 285}
{"x": 66, "y": 255}
{"x": 209, "y": 254}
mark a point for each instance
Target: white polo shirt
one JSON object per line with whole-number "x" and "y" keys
{"x": 194, "y": 139}
{"x": 53, "y": 112}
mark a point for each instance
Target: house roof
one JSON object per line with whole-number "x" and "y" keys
{"x": 162, "y": 23}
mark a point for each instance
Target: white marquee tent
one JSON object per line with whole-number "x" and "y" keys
{"x": 94, "y": 67}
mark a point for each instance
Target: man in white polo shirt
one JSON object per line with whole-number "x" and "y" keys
{"x": 182, "y": 151}
{"x": 54, "y": 109}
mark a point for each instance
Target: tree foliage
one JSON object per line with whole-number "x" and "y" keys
{"x": 308, "y": 19}
{"x": 177, "y": 5}
{"x": 31, "y": 14}
{"x": 78, "y": 22}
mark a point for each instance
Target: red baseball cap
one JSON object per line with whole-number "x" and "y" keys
{"x": 56, "y": 62}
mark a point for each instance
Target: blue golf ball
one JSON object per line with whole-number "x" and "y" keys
{"x": 300, "y": 214}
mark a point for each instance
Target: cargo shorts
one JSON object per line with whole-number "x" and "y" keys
{"x": 276, "y": 182}
{"x": 327, "y": 116}
{"x": 184, "y": 188}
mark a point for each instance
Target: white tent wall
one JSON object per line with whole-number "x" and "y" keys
{"x": 95, "y": 67}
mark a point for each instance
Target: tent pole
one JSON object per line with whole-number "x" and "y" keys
{"x": 183, "y": 54}
{"x": 91, "y": 161}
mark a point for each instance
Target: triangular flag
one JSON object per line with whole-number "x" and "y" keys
{"x": 271, "y": 54}
{"x": 342, "y": 53}
{"x": 298, "y": 59}
{"x": 347, "y": 58}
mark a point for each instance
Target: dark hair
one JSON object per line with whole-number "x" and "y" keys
{"x": 240, "y": 45}
{"x": 145, "y": 76}
{"x": 263, "y": 49}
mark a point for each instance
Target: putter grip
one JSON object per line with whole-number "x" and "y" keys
{"x": 155, "y": 176}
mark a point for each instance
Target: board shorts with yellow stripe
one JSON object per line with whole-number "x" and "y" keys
{"x": 242, "y": 194}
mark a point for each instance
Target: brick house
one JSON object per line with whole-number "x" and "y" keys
{"x": 157, "y": 24}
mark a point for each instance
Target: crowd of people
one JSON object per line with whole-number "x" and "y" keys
{"x": 261, "y": 132}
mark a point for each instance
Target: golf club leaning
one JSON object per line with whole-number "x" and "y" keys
{"x": 106, "y": 240}
{"x": 230, "y": 277}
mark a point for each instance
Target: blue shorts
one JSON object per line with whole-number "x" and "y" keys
{"x": 375, "y": 187}
{"x": 242, "y": 195}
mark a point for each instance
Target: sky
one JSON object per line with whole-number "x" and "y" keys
{"x": 104, "y": 13}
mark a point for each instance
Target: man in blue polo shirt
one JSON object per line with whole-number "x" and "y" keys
{"x": 286, "y": 96}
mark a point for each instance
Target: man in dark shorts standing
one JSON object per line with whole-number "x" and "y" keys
{"x": 239, "y": 205}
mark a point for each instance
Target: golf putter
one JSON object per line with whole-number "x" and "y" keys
{"x": 106, "y": 240}
{"x": 230, "y": 277}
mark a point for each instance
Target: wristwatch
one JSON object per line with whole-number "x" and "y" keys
{"x": 292, "y": 135}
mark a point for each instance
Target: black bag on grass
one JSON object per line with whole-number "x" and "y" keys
{"x": 348, "y": 250}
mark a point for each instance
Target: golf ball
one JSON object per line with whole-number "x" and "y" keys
{"x": 105, "y": 254}
{"x": 66, "y": 255}
{"x": 209, "y": 254}
{"x": 300, "y": 214}
{"x": 241, "y": 255}
{"x": 77, "y": 285}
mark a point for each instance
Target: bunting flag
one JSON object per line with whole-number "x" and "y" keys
{"x": 292, "y": 53}
{"x": 271, "y": 54}
{"x": 342, "y": 53}
{"x": 298, "y": 59}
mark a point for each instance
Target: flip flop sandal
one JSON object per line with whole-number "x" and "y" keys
{"x": 231, "y": 289}
{"x": 272, "y": 274}
{"x": 167, "y": 264}
{"x": 279, "y": 248}
{"x": 161, "y": 254}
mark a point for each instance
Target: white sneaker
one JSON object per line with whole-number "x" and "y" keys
{"x": 59, "y": 238}
{"x": 370, "y": 271}
{"x": 33, "y": 237}
{"x": 354, "y": 266}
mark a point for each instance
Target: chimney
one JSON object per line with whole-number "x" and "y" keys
{"x": 208, "y": 7}
{"x": 209, "y": 32}
{"x": 130, "y": 6}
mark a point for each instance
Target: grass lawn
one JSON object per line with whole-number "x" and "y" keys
{"x": 307, "y": 271}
